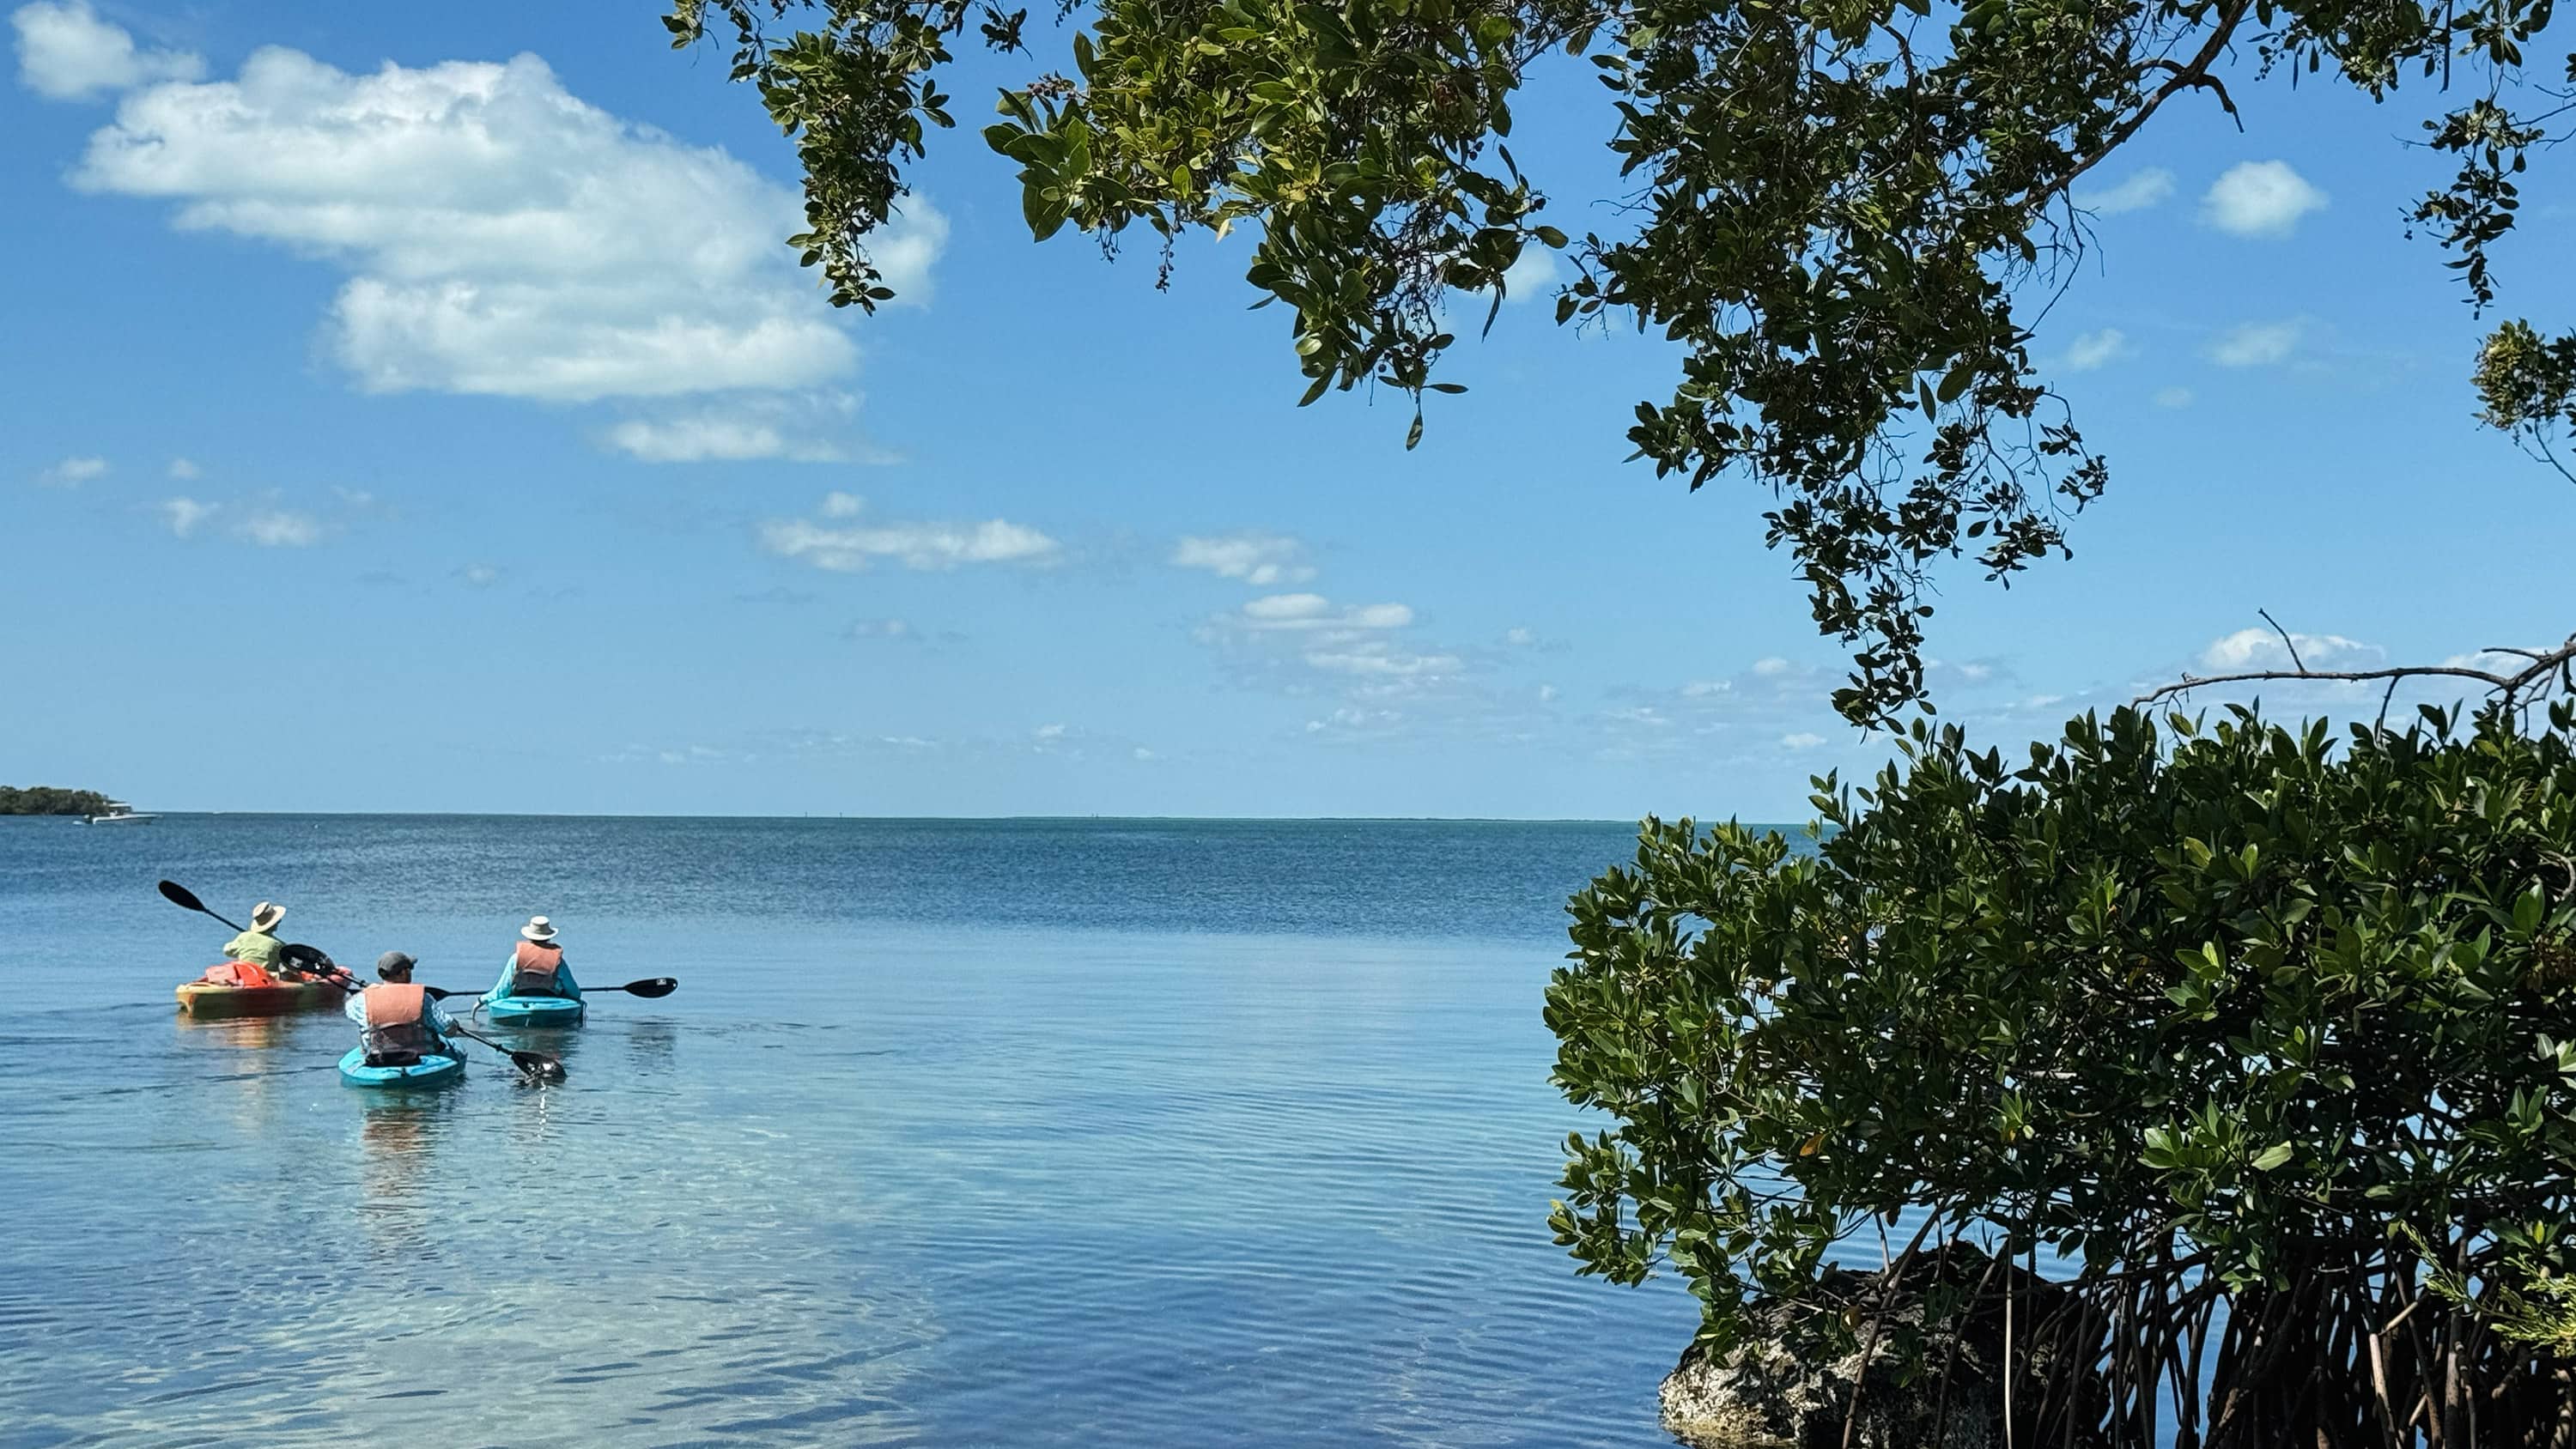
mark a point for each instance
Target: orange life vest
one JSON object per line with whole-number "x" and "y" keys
{"x": 238, "y": 973}
{"x": 397, "y": 1022}
{"x": 534, "y": 970}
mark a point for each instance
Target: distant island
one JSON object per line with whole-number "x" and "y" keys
{"x": 47, "y": 800}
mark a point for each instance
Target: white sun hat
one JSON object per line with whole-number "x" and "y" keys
{"x": 538, "y": 929}
{"x": 266, "y": 915}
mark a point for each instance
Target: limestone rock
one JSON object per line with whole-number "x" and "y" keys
{"x": 1789, "y": 1385}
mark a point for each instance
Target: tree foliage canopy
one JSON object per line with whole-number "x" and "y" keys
{"x": 50, "y": 800}
{"x": 2253, "y": 1030}
{"x": 1840, "y": 209}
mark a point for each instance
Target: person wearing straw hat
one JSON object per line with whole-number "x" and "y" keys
{"x": 259, "y": 945}
{"x": 536, "y": 965}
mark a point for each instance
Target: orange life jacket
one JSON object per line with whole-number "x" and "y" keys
{"x": 534, "y": 969}
{"x": 397, "y": 1022}
{"x": 237, "y": 973}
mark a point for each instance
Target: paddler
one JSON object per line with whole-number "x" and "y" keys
{"x": 398, "y": 1023}
{"x": 259, "y": 945}
{"x": 536, "y": 965}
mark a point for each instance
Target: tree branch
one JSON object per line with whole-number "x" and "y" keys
{"x": 2286, "y": 641}
{"x": 2185, "y": 77}
{"x": 2543, "y": 664}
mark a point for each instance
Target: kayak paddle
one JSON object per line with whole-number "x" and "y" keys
{"x": 347, "y": 980}
{"x": 535, "y": 1066}
{"x": 180, "y": 896}
{"x": 656, "y": 987}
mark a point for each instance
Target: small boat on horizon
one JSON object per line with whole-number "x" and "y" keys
{"x": 120, "y": 813}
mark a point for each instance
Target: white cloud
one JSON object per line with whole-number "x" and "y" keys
{"x": 1287, "y": 610}
{"x": 2173, "y": 397}
{"x": 182, "y": 515}
{"x": 1263, "y": 560}
{"x": 1771, "y": 668}
{"x": 1314, "y": 611}
{"x": 1352, "y": 717}
{"x": 714, "y": 437}
{"x": 2260, "y": 199}
{"x": 879, "y": 629}
{"x": 1546, "y": 693}
{"x": 2257, "y": 344}
{"x": 479, "y": 576}
{"x": 1143, "y": 753}
{"x": 182, "y": 469}
{"x": 1519, "y": 638}
{"x": 66, "y": 53}
{"x": 1703, "y": 688}
{"x": 1360, "y": 648}
{"x": 2252, "y": 649}
{"x": 73, "y": 472}
{"x": 2136, "y": 193}
{"x": 500, "y": 235}
{"x": 279, "y": 528}
{"x": 1802, "y": 740}
{"x": 1378, "y": 658}
{"x": 2095, "y": 349}
{"x": 917, "y": 545}
{"x": 1532, "y": 275}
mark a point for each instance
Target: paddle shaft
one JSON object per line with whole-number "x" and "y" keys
{"x": 534, "y": 1064}
{"x": 181, "y": 896}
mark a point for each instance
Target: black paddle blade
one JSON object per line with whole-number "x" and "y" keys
{"x": 658, "y": 986}
{"x": 533, "y": 1066}
{"x": 180, "y": 896}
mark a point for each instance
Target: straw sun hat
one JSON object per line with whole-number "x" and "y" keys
{"x": 266, "y": 915}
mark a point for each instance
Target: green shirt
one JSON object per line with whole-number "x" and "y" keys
{"x": 259, "y": 948}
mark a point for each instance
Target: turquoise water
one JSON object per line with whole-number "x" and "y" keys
{"x": 956, "y": 1133}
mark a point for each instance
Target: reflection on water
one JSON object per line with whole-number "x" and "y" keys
{"x": 960, "y": 1188}
{"x": 652, "y": 1046}
{"x": 249, "y": 1032}
{"x": 398, "y": 1134}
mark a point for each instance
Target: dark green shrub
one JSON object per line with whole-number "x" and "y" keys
{"x": 2272, "y": 1041}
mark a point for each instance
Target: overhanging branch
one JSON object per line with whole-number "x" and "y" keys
{"x": 2507, "y": 687}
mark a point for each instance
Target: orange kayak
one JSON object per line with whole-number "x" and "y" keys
{"x": 207, "y": 999}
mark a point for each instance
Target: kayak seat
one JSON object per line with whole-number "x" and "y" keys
{"x": 530, "y": 985}
{"x": 393, "y": 1059}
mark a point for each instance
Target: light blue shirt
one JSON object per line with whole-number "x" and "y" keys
{"x": 510, "y": 972}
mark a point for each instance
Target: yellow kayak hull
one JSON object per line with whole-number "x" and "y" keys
{"x": 205, "y": 999}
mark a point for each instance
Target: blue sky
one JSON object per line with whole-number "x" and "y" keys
{"x": 413, "y": 409}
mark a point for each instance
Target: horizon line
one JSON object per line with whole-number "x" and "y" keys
{"x": 1622, "y": 821}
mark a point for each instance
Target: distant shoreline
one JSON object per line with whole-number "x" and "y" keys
{"x": 52, "y": 801}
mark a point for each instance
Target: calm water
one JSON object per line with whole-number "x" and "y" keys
{"x": 1024, "y": 1133}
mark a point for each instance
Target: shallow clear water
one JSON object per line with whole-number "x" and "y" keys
{"x": 956, "y": 1133}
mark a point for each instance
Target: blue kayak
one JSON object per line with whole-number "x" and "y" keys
{"x": 533, "y": 1010}
{"x": 429, "y": 1071}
